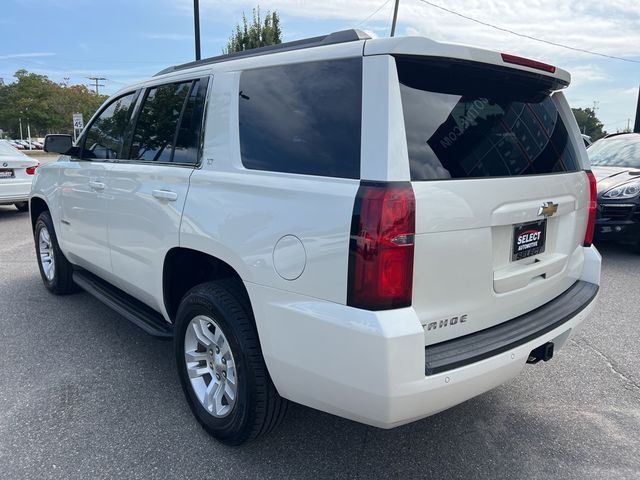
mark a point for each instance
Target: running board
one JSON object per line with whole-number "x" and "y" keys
{"x": 133, "y": 310}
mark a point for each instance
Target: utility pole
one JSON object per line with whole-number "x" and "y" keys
{"x": 395, "y": 18}
{"x": 196, "y": 26}
{"x": 20, "y": 120}
{"x": 636, "y": 126}
{"x": 29, "y": 134}
{"x": 595, "y": 108}
{"x": 97, "y": 83}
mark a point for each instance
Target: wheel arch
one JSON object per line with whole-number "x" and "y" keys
{"x": 184, "y": 268}
{"x": 37, "y": 205}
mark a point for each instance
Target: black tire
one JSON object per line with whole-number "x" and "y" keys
{"x": 258, "y": 408}
{"x": 22, "y": 206}
{"x": 62, "y": 281}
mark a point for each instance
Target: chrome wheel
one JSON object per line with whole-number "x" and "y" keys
{"x": 210, "y": 366}
{"x": 47, "y": 260}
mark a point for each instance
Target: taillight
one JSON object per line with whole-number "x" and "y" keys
{"x": 593, "y": 196}
{"x": 382, "y": 246}
{"x": 32, "y": 170}
{"x": 527, "y": 62}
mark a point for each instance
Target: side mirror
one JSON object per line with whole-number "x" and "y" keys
{"x": 57, "y": 143}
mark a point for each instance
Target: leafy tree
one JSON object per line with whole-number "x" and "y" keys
{"x": 589, "y": 123}
{"x": 48, "y": 105}
{"x": 258, "y": 33}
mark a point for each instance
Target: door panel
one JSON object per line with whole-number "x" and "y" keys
{"x": 85, "y": 190}
{"x": 83, "y": 222}
{"x": 144, "y": 221}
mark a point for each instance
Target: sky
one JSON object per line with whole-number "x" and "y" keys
{"x": 126, "y": 41}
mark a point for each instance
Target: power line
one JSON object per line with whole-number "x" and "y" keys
{"x": 548, "y": 42}
{"x": 373, "y": 14}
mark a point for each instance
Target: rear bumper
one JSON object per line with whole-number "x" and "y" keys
{"x": 14, "y": 192}
{"x": 370, "y": 366}
{"x": 492, "y": 341}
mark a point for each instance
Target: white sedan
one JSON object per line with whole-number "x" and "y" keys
{"x": 16, "y": 175}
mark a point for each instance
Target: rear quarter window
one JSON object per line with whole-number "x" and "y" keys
{"x": 463, "y": 121}
{"x": 302, "y": 118}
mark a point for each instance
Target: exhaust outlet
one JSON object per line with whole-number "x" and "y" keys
{"x": 543, "y": 352}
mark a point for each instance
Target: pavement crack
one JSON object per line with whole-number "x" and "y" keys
{"x": 608, "y": 361}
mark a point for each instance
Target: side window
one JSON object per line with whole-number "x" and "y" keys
{"x": 169, "y": 125}
{"x": 302, "y": 118}
{"x": 105, "y": 136}
{"x": 188, "y": 136}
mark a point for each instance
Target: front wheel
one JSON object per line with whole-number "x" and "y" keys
{"x": 55, "y": 269}
{"x": 220, "y": 364}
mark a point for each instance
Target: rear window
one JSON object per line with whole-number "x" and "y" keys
{"x": 302, "y": 118}
{"x": 468, "y": 121}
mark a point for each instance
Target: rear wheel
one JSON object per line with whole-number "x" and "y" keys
{"x": 55, "y": 269}
{"x": 22, "y": 206}
{"x": 220, "y": 364}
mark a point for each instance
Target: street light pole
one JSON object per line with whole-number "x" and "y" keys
{"x": 20, "y": 119}
{"x": 196, "y": 26}
{"x": 29, "y": 134}
{"x": 395, "y": 18}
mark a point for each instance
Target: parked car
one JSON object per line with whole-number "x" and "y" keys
{"x": 16, "y": 144}
{"x": 24, "y": 143}
{"x": 376, "y": 228}
{"x": 615, "y": 161}
{"x": 16, "y": 175}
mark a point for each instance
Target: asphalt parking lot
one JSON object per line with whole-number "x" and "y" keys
{"x": 84, "y": 394}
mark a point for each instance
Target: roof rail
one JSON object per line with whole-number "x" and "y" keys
{"x": 331, "y": 39}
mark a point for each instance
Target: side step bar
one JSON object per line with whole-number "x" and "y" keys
{"x": 133, "y": 310}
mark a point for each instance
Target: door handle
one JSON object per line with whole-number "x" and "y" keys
{"x": 165, "y": 195}
{"x": 96, "y": 185}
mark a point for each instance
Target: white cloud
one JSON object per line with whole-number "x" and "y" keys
{"x": 588, "y": 74}
{"x": 26, "y": 55}
{"x": 607, "y": 27}
{"x": 167, "y": 36}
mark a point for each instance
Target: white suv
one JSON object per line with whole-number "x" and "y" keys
{"x": 376, "y": 228}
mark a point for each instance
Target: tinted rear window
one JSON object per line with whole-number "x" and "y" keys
{"x": 302, "y": 118}
{"x": 463, "y": 121}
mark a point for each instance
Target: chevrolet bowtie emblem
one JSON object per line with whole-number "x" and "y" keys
{"x": 548, "y": 209}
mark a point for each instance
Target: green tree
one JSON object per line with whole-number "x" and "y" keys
{"x": 47, "y": 105}
{"x": 588, "y": 122}
{"x": 256, "y": 34}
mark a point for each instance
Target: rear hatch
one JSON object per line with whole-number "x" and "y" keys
{"x": 501, "y": 198}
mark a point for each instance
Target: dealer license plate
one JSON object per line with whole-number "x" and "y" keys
{"x": 6, "y": 173}
{"x": 528, "y": 239}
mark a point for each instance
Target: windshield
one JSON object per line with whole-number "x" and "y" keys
{"x": 618, "y": 151}
{"x": 6, "y": 149}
